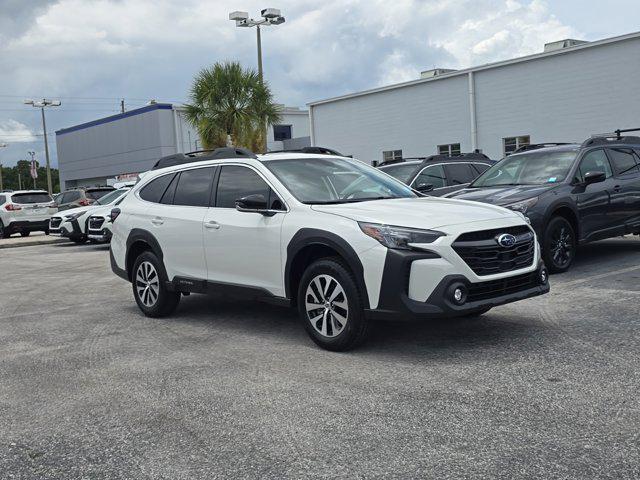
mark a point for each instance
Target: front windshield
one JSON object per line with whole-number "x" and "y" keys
{"x": 534, "y": 168}
{"x": 335, "y": 180}
{"x": 111, "y": 196}
{"x": 400, "y": 171}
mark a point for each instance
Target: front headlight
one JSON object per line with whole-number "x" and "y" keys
{"x": 398, "y": 237}
{"x": 73, "y": 216}
{"x": 523, "y": 205}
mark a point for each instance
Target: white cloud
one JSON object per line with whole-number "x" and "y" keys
{"x": 12, "y": 131}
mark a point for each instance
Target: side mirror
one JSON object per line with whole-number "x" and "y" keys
{"x": 254, "y": 204}
{"x": 424, "y": 187}
{"x": 594, "y": 177}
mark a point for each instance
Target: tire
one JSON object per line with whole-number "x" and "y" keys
{"x": 25, "y": 234}
{"x": 559, "y": 245}
{"x": 152, "y": 297}
{"x": 337, "y": 322}
{"x": 46, "y": 232}
{"x": 4, "y": 233}
{"x": 78, "y": 240}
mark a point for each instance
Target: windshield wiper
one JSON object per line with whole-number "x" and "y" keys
{"x": 352, "y": 200}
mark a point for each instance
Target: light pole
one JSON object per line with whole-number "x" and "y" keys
{"x": 270, "y": 16}
{"x": 41, "y": 104}
{"x": 2, "y": 145}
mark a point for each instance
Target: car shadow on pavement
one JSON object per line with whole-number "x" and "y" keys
{"x": 244, "y": 320}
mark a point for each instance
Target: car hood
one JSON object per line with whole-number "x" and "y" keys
{"x": 64, "y": 213}
{"x": 501, "y": 195}
{"x": 102, "y": 210}
{"x": 427, "y": 212}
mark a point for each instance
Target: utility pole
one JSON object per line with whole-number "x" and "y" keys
{"x": 41, "y": 104}
{"x": 2, "y": 145}
{"x": 270, "y": 16}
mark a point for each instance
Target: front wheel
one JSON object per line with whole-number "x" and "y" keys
{"x": 25, "y": 234}
{"x": 330, "y": 306}
{"x": 559, "y": 245}
{"x": 149, "y": 287}
{"x": 4, "y": 233}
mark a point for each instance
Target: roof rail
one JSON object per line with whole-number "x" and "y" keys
{"x": 437, "y": 156}
{"x": 614, "y": 137}
{"x": 535, "y": 146}
{"x": 316, "y": 150}
{"x": 203, "y": 155}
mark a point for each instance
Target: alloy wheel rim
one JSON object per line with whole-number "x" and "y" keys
{"x": 147, "y": 284}
{"x": 561, "y": 246}
{"x": 326, "y": 305}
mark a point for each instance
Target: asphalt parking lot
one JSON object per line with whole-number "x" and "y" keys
{"x": 89, "y": 388}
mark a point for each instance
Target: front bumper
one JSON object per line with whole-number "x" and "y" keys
{"x": 103, "y": 235}
{"x": 68, "y": 229}
{"x": 395, "y": 303}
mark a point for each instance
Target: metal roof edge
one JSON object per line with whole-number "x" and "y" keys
{"x": 113, "y": 118}
{"x": 486, "y": 66}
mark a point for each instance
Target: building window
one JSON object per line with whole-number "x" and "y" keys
{"x": 281, "y": 132}
{"x": 511, "y": 144}
{"x": 390, "y": 155}
{"x": 450, "y": 149}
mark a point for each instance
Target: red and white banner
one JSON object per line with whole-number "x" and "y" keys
{"x": 34, "y": 169}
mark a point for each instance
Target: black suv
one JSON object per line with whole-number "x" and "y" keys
{"x": 572, "y": 193}
{"x": 438, "y": 174}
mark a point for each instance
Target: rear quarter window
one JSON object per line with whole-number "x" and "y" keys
{"x": 97, "y": 194}
{"x": 152, "y": 191}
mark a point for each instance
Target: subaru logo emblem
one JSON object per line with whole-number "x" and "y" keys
{"x": 506, "y": 240}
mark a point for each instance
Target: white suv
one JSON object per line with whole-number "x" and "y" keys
{"x": 338, "y": 239}
{"x": 25, "y": 211}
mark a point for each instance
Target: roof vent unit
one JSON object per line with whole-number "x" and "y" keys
{"x": 560, "y": 44}
{"x": 435, "y": 72}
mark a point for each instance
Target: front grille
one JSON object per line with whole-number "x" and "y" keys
{"x": 95, "y": 223}
{"x": 55, "y": 222}
{"x": 504, "y": 286}
{"x": 485, "y": 256}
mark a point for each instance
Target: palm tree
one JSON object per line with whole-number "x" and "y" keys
{"x": 227, "y": 100}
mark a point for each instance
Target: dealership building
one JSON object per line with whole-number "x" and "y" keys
{"x": 566, "y": 93}
{"x": 119, "y": 147}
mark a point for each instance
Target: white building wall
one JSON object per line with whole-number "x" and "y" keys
{"x": 299, "y": 121}
{"x": 563, "y": 96}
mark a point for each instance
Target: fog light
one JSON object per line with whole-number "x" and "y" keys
{"x": 457, "y": 295}
{"x": 544, "y": 276}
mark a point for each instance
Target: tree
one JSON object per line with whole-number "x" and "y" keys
{"x": 10, "y": 177}
{"x": 228, "y": 100}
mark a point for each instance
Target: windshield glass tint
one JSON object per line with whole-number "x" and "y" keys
{"x": 535, "y": 168}
{"x": 335, "y": 180}
{"x": 401, "y": 172}
{"x": 25, "y": 198}
{"x": 112, "y": 196}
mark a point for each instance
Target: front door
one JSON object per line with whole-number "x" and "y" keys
{"x": 244, "y": 248}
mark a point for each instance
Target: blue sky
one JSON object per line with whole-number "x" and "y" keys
{"x": 91, "y": 53}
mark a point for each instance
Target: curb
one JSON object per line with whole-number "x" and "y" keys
{"x": 31, "y": 243}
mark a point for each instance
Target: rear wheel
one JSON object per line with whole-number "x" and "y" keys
{"x": 559, "y": 246}
{"x": 330, "y": 306}
{"x": 25, "y": 234}
{"x": 149, "y": 287}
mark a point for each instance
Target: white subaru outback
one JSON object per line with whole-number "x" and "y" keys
{"x": 340, "y": 240}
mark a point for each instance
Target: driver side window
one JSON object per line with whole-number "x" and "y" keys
{"x": 431, "y": 175}
{"x": 237, "y": 182}
{"x": 594, "y": 161}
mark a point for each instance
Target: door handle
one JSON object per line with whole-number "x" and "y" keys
{"x": 157, "y": 221}
{"x": 212, "y": 224}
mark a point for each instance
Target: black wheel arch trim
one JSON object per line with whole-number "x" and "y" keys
{"x": 141, "y": 235}
{"x": 552, "y": 211}
{"x": 307, "y": 237}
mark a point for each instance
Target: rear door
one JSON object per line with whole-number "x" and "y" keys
{"x": 177, "y": 207}
{"x": 243, "y": 248}
{"x": 625, "y": 197}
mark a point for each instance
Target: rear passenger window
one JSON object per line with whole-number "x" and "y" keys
{"x": 238, "y": 182}
{"x": 71, "y": 196}
{"x": 459, "y": 173}
{"x": 194, "y": 187}
{"x": 152, "y": 192}
{"x": 624, "y": 160}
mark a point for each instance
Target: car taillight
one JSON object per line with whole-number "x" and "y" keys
{"x": 85, "y": 202}
{"x": 114, "y": 214}
{"x": 13, "y": 208}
